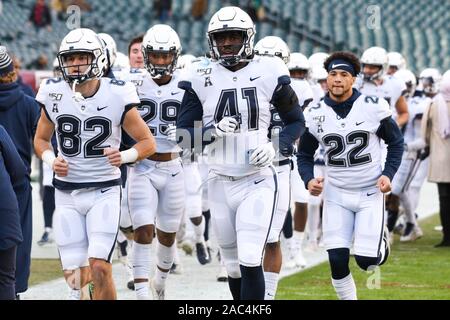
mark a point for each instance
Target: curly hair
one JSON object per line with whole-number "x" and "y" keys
{"x": 9, "y": 77}
{"x": 346, "y": 56}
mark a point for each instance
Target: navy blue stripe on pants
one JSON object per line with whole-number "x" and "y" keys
{"x": 7, "y": 273}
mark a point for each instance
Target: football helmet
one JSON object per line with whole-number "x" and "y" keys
{"x": 122, "y": 61}
{"x": 231, "y": 19}
{"x": 111, "y": 48}
{"x": 185, "y": 61}
{"x": 429, "y": 80}
{"x": 298, "y": 61}
{"x": 274, "y": 47}
{"x": 56, "y": 69}
{"x": 409, "y": 79}
{"x": 161, "y": 38}
{"x": 317, "y": 59}
{"x": 395, "y": 59}
{"x": 82, "y": 40}
{"x": 375, "y": 56}
{"x": 319, "y": 74}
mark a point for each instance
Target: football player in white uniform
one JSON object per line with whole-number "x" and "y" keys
{"x": 375, "y": 82}
{"x": 156, "y": 192}
{"x": 349, "y": 126}
{"x": 230, "y": 100}
{"x": 396, "y": 62}
{"x": 275, "y": 47}
{"x": 87, "y": 112}
{"x": 412, "y": 172}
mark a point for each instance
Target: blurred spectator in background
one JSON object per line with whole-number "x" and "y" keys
{"x": 19, "y": 111}
{"x": 254, "y": 8}
{"x": 84, "y": 6}
{"x": 436, "y": 132}
{"x": 199, "y": 8}
{"x": 40, "y": 16}
{"x": 58, "y": 9}
{"x": 163, "y": 9}
{"x": 41, "y": 63}
{"x": 25, "y": 87}
{"x": 135, "y": 52}
{"x": 12, "y": 174}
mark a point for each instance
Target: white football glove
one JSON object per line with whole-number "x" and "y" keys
{"x": 263, "y": 155}
{"x": 225, "y": 126}
{"x": 171, "y": 133}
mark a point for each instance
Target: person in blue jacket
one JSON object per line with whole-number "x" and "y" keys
{"x": 19, "y": 115}
{"x": 12, "y": 176}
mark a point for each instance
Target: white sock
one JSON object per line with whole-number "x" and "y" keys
{"x": 271, "y": 280}
{"x": 142, "y": 290}
{"x": 159, "y": 280}
{"x": 345, "y": 288}
{"x": 199, "y": 231}
{"x": 48, "y": 229}
{"x": 141, "y": 260}
{"x": 165, "y": 255}
{"x": 298, "y": 238}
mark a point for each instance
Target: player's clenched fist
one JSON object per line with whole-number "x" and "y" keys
{"x": 384, "y": 183}
{"x": 61, "y": 167}
{"x": 114, "y": 156}
{"x": 315, "y": 186}
{"x": 226, "y": 126}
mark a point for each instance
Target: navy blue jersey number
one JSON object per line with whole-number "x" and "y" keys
{"x": 228, "y": 106}
{"x": 69, "y": 131}
{"x": 337, "y": 145}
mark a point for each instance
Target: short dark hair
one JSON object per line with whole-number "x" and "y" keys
{"x": 138, "y": 39}
{"x": 346, "y": 56}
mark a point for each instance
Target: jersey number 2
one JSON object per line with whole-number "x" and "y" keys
{"x": 337, "y": 144}
{"x": 69, "y": 131}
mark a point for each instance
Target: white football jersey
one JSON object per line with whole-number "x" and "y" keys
{"x": 352, "y": 148}
{"x": 85, "y": 128}
{"x": 245, "y": 94}
{"x": 416, "y": 108}
{"x": 391, "y": 90}
{"x": 159, "y": 105}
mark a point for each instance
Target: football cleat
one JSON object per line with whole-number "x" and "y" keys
{"x": 222, "y": 276}
{"x": 203, "y": 255}
{"x": 158, "y": 293}
{"x": 45, "y": 239}
{"x": 176, "y": 268}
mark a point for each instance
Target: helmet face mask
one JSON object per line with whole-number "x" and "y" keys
{"x": 234, "y": 25}
{"x": 81, "y": 56}
{"x": 159, "y": 70}
{"x": 161, "y": 48}
{"x": 229, "y": 46}
{"x": 79, "y": 72}
{"x": 371, "y": 58}
{"x": 372, "y": 72}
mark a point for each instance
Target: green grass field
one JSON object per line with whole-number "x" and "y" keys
{"x": 416, "y": 271}
{"x": 44, "y": 270}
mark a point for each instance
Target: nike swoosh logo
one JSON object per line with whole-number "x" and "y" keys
{"x": 105, "y": 190}
{"x": 100, "y": 109}
{"x": 175, "y": 174}
{"x": 358, "y": 123}
{"x": 258, "y": 181}
{"x": 174, "y": 93}
{"x": 369, "y": 194}
{"x": 252, "y": 79}
{"x": 337, "y": 65}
